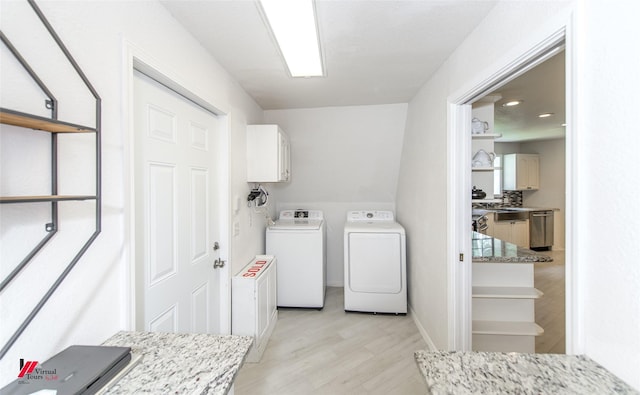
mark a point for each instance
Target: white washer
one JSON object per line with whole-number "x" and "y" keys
{"x": 297, "y": 240}
{"x": 375, "y": 264}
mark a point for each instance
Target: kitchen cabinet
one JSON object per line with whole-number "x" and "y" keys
{"x": 521, "y": 172}
{"x": 268, "y": 154}
{"x": 516, "y": 232}
{"x": 253, "y": 303}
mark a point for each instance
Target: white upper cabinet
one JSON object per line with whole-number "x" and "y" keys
{"x": 268, "y": 154}
{"x": 521, "y": 172}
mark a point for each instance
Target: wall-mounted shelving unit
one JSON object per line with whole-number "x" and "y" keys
{"x": 54, "y": 126}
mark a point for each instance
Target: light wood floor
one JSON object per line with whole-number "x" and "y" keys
{"x": 550, "y": 309}
{"x": 333, "y": 352}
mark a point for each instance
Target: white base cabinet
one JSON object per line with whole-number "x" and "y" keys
{"x": 253, "y": 303}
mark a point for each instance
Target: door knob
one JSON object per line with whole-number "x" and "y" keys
{"x": 218, "y": 263}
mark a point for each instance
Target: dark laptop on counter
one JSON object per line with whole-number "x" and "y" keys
{"x": 75, "y": 370}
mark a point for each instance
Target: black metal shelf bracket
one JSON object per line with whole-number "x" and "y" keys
{"x": 52, "y": 227}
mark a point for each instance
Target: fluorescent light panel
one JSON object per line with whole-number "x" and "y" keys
{"x": 293, "y": 24}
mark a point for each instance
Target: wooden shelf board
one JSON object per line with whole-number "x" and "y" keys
{"x": 23, "y": 120}
{"x": 44, "y": 198}
{"x": 506, "y": 292}
{"x": 508, "y": 328}
{"x": 486, "y": 136}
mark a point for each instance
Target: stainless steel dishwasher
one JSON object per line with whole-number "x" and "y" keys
{"x": 541, "y": 229}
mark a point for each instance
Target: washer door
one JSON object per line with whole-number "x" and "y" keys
{"x": 375, "y": 262}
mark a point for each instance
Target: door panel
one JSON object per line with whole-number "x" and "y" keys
{"x": 166, "y": 321}
{"x": 161, "y": 247}
{"x": 375, "y": 262}
{"x": 199, "y": 213}
{"x": 175, "y": 162}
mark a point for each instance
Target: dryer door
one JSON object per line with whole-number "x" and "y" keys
{"x": 375, "y": 262}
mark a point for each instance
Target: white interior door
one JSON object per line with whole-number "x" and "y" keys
{"x": 177, "y": 218}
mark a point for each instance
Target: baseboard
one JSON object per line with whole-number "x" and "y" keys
{"x": 423, "y": 332}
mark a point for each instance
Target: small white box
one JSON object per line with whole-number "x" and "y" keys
{"x": 253, "y": 303}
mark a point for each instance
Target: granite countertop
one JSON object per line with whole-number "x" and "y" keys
{"x": 181, "y": 363}
{"x": 491, "y": 250}
{"x": 457, "y": 372}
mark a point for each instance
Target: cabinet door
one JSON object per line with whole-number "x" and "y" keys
{"x": 520, "y": 233}
{"x": 502, "y": 231}
{"x": 533, "y": 172}
{"x": 522, "y": 172}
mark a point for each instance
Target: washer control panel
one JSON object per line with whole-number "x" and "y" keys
{"x": 369, "y": 216}
{"x": 300, "y": 214}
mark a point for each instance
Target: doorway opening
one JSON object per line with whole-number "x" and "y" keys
{"x": 524, "y": 146}
{"x": 461, "y": 115}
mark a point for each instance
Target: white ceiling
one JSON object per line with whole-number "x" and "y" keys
{"x": 541, "y": 89}
{"x": 375, "y": 52}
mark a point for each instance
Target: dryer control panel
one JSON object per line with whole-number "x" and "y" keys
{"x": 369, "y": 216}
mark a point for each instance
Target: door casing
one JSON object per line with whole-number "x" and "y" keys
{"x": 459, "y": 180}
{"x": 136, "y": 59}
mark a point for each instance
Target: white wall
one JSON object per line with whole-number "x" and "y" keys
{"x": 342, "y": 158}
{"x": 608, "y": 185}
{"x": 422, "y": 187}
{"x": 607, "y": 275}
{"x": 91, "y": 305}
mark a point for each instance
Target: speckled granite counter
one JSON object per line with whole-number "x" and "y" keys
{"x": 181, "y": 363}
{"x": 489, "y": 249}
{"x": 513, "y": 373}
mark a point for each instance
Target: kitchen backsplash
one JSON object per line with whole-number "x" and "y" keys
{"x": 512, "y": 198}
{"x": 509, "y": 199}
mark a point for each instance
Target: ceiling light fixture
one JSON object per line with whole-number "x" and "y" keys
{"x": 294, "y": 26}
{"x": 512, "y": 103}
{"x": 545, "y": 115}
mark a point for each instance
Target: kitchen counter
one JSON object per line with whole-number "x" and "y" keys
{"x": 489, "y": 249}
{"x": 180, "y": 363}
{"x": 456, "y": 372}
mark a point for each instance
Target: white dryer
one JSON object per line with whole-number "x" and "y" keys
{"x": 297, "y": 240}
{"x": 375, "y": 268}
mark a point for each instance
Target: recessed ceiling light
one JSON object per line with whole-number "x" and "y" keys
{"x": 294, "y": 27}
{"x": 511, "y": 103}
{"x": 545, "y": 115}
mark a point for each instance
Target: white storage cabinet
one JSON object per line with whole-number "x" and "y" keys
{"x": 521, "y": 172}
{"x": 253, "y": 303}
{"x": 268, "y": 154}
